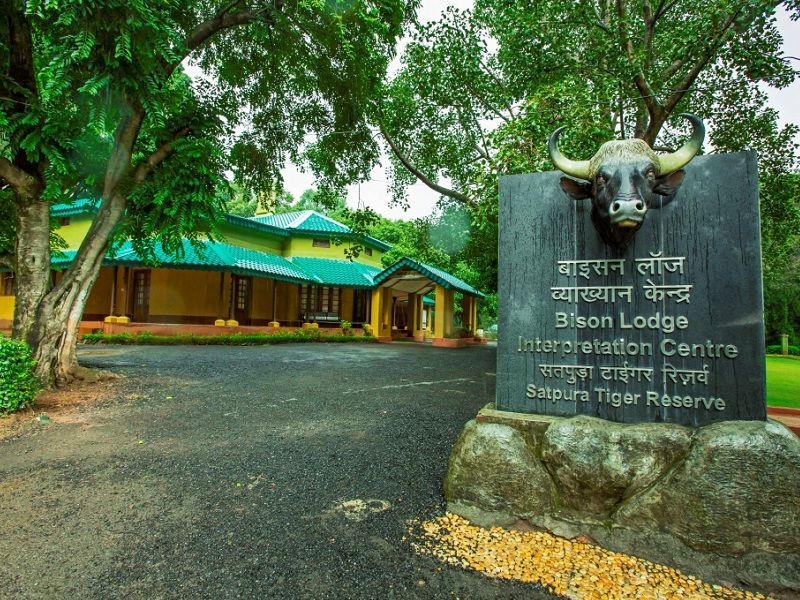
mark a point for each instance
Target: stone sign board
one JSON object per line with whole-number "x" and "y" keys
{"x": 666, "y": 329}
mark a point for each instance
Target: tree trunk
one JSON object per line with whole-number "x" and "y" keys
{"x": 32, "y": 268}
{"x": 48, "y": 317}
{"x": 55, "y": 329}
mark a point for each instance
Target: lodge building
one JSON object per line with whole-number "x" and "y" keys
{"x": 272, "y": 271}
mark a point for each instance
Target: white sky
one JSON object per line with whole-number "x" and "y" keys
{"x": 422, "y": 200}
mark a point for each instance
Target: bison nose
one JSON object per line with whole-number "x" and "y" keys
{"x": 627, "y": 212}
{"x": 628, "y": 207}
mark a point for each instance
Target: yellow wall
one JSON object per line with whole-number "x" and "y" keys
{"x": 184, "y": 292}
{"x": 99, "y": 301}
{"x": 77, "y": 229}
{"x": 262, "y": 299}
{"x": 346, "y": 304}
{"x": 252, "y": 239}
{"x": 304, "y": 246}
{"x": 79, "y": 225}
{"x": 6, "y": 308}
{"x": 288, "y": 301}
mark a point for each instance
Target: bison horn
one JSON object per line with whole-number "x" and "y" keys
{"x": 669, "y": 163}
{"x": 576, "y": 168}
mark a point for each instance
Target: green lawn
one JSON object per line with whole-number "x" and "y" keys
{"x": 783, "y": 382}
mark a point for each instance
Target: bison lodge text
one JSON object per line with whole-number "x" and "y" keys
{"x": 663, "y": 380}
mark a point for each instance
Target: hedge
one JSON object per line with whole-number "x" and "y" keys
{"x": 18, "y": 385}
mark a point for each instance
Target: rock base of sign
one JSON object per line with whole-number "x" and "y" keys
{"x": 721, "y": 502}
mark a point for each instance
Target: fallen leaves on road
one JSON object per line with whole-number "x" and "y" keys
{"x": 570, "y": 568}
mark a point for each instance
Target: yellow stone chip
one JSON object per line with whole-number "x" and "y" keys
{"x": 574, "y": 569}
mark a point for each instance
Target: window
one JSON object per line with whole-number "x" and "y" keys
{"x": 7, "y": 287}
{"x": 322, "y": 303}
{"x": 321, "y": 243}
{"x": 64, "y": 221}
{"x": 368, "y": 251}
{"x": 361, "y": 305}
{"x": 242, "y": 293}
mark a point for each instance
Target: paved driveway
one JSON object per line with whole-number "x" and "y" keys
{"x": 245, "y": 472}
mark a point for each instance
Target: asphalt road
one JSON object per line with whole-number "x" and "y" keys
{"x": 287, "y": 471}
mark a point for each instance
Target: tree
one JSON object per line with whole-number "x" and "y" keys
{"x": 327, "y": 204}
{"x": 244, "y": 202}
{"x": 481, "y": 90}
{"x": 94, "y": 101}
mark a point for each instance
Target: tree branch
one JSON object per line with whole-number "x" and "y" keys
{"x": 486, "y": 103}
{"x": 25, "y": 185}
{"x": 230, "y": 7}
{"x": 482, "y": 154}
{"x": 483, "y": 147}
{"x": 158, "y": 156}
{"x": 419, "y": 175}
{"x": 124, "y": 139}
{"x": 599, "y": 22}
{"x": 649, "y": 31}
{"x": 687, "y": 82}
{"x": 671, "y": 70}
{"x": 219, "y": 22}
{"x": 502, "y": 87}
{"x": 663, "y": 8}
{"x": 494, "y": 78}
{"x": 645, "y": 91}
{"x": 12, "y": 174}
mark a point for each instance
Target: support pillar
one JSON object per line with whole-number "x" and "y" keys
{"x": 474, "y": 314}
{"x": 381, "y": 318}
{"x": 411, "y": 314}
{"x": 274, "y": 322}
{"x": 220, "y": 322}
{"x": 375, "y": 312}
{"x": 112, "y": 318}
{"x": 449, "y": 302}
{"x": 440, "y": 313}
{"x": 466, "y": 313}
{"x": 386, "y": 315}
{"x": 415, "y": 324}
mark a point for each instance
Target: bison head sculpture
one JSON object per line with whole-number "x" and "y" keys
{"x": 622, "y": 179}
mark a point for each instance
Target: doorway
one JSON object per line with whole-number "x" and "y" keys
{"x": 141, "y": 295}
{"x": 242, "y": 295}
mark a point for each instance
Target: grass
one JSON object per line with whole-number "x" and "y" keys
{"x": 783, "y": 382}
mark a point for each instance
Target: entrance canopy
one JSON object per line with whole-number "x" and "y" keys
{"x": 413, "y": 277}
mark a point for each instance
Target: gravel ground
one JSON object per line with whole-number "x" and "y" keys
{"x": 285, "y": 471}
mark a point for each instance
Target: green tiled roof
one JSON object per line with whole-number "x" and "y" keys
{"x": 215, "y": 257}
{"x": 243, "y": 261}
{"x": 282, "y": 220}
{"x": 311, "y": 222}
{"x": 308, "y": 221}
{"x": 338, "y": 272}
{"x": 255, "y": 224}
{"x": 443, "y": 278}
{"x": 76, "y": 207}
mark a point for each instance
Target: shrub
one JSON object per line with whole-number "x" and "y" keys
{"x": 346, "y": 326}
{"x": 18, "y": 384}
{"x": 236, "y": 339}
{"x": 777, "y": 349}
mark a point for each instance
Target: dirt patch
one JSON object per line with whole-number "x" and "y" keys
{"x": 89, "y": 387}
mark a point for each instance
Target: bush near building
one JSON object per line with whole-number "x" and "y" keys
{"x": 18, "y": 385}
